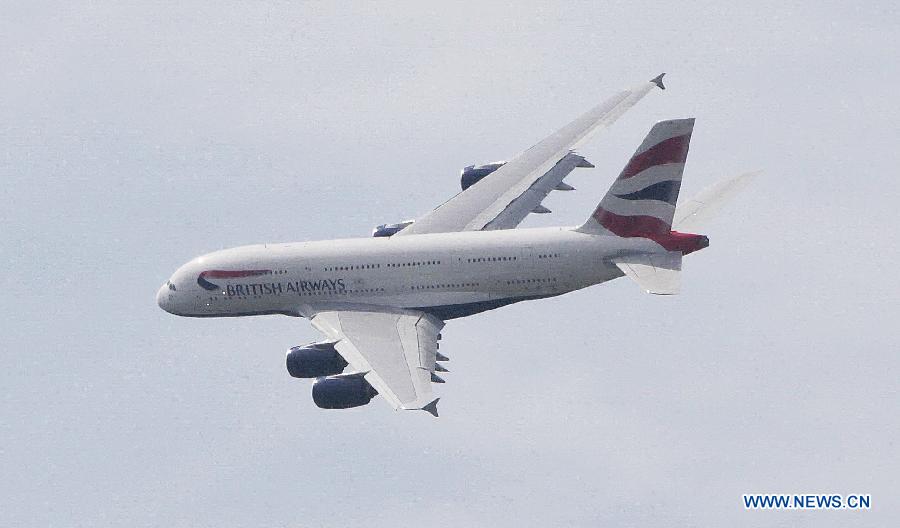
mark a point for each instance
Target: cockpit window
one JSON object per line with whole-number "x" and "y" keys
{"x": 170, "y": 285}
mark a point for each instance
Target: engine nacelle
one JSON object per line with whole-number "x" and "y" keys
{"x": 314, "y": 360}
{"x": 342, "y": 392}
{"x": 472, "y": 174}
{"x": 386, "y": 230}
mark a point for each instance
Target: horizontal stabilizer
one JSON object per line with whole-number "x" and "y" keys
{"x": 658, "y": 273}
{"x": 693, "y": 214}
{"x": 540, "y": 209}
{"x": 563, "y": 186}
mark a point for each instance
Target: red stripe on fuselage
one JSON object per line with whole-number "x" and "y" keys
{"x": 222, "y": 274}
{"x": 672, "y": 150}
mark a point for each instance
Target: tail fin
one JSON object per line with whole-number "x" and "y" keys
{"x": 641, "y": 202}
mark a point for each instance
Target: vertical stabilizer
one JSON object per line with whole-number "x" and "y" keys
{"x": 641, "y": 202}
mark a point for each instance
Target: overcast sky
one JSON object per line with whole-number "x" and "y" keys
{"x": 135, "y": 137}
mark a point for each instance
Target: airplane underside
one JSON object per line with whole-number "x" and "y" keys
{"x": 455, "y": 311}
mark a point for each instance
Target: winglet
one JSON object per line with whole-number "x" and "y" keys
{"x": 431, "y": 408}
{"x": 658, "y": 81}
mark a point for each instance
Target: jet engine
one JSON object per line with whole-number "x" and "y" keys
{"x": 314, "y": 360}
{"x": 472, "y": 174}
{"x": 342, "y": 392}
{"x": 386, "y": 230}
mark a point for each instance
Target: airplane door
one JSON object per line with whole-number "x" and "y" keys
{"x": 527, "y": 257}
{"x": 537, "y": 269}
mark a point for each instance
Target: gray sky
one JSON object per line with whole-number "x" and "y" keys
{"x": 135, "y": 137}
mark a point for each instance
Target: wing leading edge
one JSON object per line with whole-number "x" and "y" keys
{"x": 503, "y": 198}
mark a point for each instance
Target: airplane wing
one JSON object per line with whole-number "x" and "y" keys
{"x": 395, "y": 349}
{"x": 505, "y": 197}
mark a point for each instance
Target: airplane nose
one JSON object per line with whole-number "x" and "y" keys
{"x": 162, "y": 298}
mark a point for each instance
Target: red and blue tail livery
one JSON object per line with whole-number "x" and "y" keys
{"x": 641, "y": 202}
{"x": 642, "y": 199}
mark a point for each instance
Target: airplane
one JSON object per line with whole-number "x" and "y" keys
{"x": 382, "y": 301}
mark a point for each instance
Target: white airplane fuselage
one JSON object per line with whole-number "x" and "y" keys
{"x": 382, "y": 301}
{"x": 446, "y": 274}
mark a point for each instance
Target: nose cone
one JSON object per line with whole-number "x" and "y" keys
{"x": 162, "y": 299}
